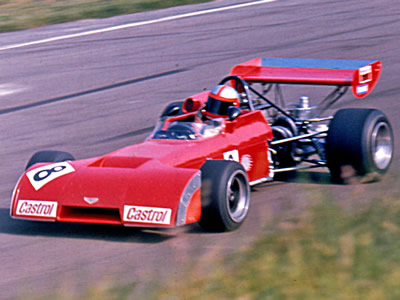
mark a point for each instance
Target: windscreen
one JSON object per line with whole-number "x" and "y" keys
{"x": 178, "y": 130}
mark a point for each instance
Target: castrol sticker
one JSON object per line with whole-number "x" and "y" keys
{"x": 145, "y": 214}
{"x": 33, "y": 208}
{"x": 41, "y": 176}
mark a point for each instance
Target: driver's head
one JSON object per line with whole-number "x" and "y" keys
{"x": 219, "y": 100}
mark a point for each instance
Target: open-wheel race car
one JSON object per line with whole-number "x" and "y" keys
{"x": 206, "y": 152}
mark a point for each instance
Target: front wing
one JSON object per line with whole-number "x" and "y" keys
{"x": 150, "y": 195}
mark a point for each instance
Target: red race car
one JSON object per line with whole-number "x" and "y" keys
{"x": 206, "y": 152}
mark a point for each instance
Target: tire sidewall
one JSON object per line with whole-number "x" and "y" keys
{"x": 369, "y": 165}
{"x": 216, "y": 175}
{"x": 229, "y": 175}
{"x": 349, "y": 141}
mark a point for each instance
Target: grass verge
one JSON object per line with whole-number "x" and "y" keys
{"x": 24, "y": 14}
{"x": 328, "y": 251}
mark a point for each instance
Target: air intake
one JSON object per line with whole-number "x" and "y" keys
{"x": 90, "y": 215}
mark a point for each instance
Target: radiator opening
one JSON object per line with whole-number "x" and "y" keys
{"x": 90, "y": 214}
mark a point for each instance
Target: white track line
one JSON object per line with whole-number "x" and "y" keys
{"x": 8, "y": 89}
{"x": 136, "y": 24}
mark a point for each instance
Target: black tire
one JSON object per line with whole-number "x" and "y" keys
{"x": 49, "y": 156}
{"x": 284, "y": 157}
{"x": 361, "y": 139}
{"x": 172, "y": 109}
{"x": 225, "y": 195}
{"x": 286, "y": 122}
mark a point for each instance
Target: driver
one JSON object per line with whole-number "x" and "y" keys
{"x": 209, "y": 120}
{"x": 220, "y": 98}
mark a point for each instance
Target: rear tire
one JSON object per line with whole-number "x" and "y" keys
{"x": 360, "y": 140}
{"x": 284, "y": 157}
{"x": 225, "y": 195}
{"x": 49, "y": 156}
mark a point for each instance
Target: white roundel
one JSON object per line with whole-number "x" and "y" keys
{"x": 43, "y": 175}
{"x": 247, "y": 162}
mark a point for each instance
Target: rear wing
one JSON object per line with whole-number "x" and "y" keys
{"x": 361, "y": 75}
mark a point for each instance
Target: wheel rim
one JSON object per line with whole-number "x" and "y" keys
{"x": 237, "y": 196}
{"x": 382, "y": 146}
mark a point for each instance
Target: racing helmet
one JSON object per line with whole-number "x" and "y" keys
{"x": 220, "y": 98}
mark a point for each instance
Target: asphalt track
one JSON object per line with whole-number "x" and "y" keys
{"x": 91, "y": 94}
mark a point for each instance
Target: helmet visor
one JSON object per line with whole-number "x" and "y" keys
{"x": 217, "y": 107}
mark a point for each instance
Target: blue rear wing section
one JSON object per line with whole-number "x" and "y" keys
{"x": 306, "y": 63}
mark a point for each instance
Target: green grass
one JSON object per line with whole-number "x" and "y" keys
{"x": 24, "y": 14}
{"x": 330, "y": 249}
{"x": 327, "y": 252}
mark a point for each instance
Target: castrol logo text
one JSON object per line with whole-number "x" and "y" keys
{"x": 37, "y": 208}
{"x": 144, "y": 214}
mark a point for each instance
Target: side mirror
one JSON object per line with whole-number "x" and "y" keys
{"x": 233, "y": 112}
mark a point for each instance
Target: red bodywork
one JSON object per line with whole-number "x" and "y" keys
{"x": 158, "y": 182}
{"x": 139, "y": 184}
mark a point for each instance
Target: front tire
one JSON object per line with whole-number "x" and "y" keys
{"x": 172, "y": 110}
{"x": 225, "y": 195}
{"x": 48, "y": 156}
{"x": 361, "y": 139}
